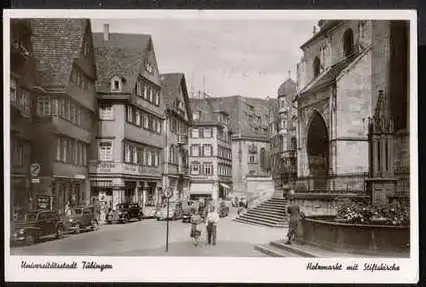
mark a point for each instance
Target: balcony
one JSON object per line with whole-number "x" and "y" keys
{"x": 182, "y": 139}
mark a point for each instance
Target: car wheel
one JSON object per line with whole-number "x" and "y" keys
{"x": 77, "y": 228}
{"x": 29, "y": 239}
{"x": 60, "y": 232}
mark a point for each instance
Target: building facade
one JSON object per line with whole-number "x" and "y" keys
{"x": 353, "y": 114}
{"x": 334, "y": 104}
{"x": 283, "y": 143}
{"x": 128, "y": 148}
{"x": 65, "y": 108}
{"x": 176, "y": 173}
{"x": 22, "y": 81}
{"x": 210, "y": 154}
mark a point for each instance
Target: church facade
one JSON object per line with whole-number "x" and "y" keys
{"x": 345, "y": 80}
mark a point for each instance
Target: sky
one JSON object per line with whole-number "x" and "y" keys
{"x": 229, "y": 57}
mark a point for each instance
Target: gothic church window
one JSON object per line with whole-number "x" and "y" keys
{"x": 348, "y": 43}
{"x": 317, "y": 67}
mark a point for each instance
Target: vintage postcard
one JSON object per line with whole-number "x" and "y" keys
{"x": 211, "y": 146}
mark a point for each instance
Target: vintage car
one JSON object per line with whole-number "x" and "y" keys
{"x": 82, "y": 218}
{"x": 187, "y": 210}
{"x": 31, "y": 225}
{"x": 128, "y": 211}
{"x": 175, "y": 211}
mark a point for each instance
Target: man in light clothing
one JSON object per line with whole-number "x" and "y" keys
{"x": 211, "y": 223}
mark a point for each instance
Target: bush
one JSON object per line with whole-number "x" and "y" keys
{"x": 351, "y": 211}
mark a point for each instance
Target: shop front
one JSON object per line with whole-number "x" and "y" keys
{"x": 201, "y": 191}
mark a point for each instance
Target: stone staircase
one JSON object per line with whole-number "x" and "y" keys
{"x": 271, "y": 212}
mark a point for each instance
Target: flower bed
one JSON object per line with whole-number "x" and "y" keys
{"x": 360, "y": 212}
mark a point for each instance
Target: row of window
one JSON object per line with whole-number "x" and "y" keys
{"x": 174, "y": 155}
{"x": 225, "y": 170}
{"x": 81, "y": 80}
{"x": 18, "y": 148}
{"x": 148, "y": 92}
{"x": 66, "y": 108}
{"x": 224, "y": 152}
{"x": 71, "y": 151}
{"x": 223, "y": 136}
{"x": 20, "y": 97}
{"x": 205, "y": 168}
{"x": 141, "y": 155}
{"x": 201, "y": 150}
{"x": 202, "y": 133}
{"x": 141, "y": 118}
{"x": 177, "y": 125}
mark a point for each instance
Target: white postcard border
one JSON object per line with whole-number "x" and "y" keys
{"x": 217, "y": 269}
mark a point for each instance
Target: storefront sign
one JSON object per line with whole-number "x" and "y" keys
{"x": 117, "y": 168}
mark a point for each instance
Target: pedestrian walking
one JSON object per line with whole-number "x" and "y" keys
{"x": 294, "y": 219}
{"x": 211, "y": 224}
{"x": 195, "y": 231}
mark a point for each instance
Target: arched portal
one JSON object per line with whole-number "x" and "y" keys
{"x": 318, "y": 151}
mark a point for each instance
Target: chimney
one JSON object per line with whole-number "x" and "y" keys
{"x": 106, "y": 32}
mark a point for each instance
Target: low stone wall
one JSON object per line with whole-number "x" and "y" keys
{"x": 318, "y": 204}
{"x": 323, "y": 232}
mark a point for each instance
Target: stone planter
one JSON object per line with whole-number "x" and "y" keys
{"x": 323, "y": 232}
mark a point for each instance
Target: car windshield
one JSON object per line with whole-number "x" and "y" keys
{"x": 77, "y": 211}
{"x": 121, "y": 206}
{"x": 27, "y": 217}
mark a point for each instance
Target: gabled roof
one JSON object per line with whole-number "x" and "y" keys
{"x": 328, "y": 77}
{"x": 171, "y": 84}
{"x": 121, "y": 54}
{"x": 56, "y": 44}
{"x": 326, "y": 26}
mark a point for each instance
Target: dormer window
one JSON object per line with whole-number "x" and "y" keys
{"x": 116, "y": 84}
{"x": 317, "y": 67}
{"x": 348, "y": 43}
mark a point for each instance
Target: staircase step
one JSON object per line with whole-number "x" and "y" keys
{"x": 257, "y": 223}
{"x": 268, "y": 210}
{"x": 254, "y": 213}
{"x": 293, "y": 248}
{"x": 261, "y": 220}
{"x": 273, "y": 251}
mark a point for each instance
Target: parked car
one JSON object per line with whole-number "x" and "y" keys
{"x": 175, "y": 211}
{"x": 31, "y": 225}
{"x": 223, "y": 209}
{"x": 187, "y": 211}
{"x": 82, "y": 218}
{"x": 128, "y": 211}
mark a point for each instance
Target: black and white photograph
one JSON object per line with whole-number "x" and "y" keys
{"x": 242, "y": 142}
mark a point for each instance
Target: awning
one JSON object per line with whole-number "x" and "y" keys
{"x": 200, "y": 188}
{"x": 225, "y": 186}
